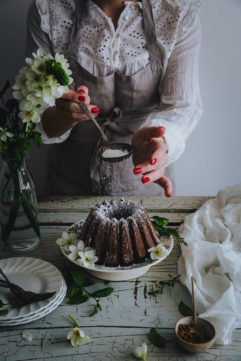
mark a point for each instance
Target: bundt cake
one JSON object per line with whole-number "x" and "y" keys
{"x": 121, "y": 233}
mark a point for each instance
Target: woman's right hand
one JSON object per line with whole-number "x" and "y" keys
{"x": 66, "y": 113}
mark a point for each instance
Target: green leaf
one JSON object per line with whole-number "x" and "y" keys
{"x": 184, "y": 309}
{"x": 37, "y": 139}
{"x": 78, "y": 277}
{"x": 78, "y": 299}
{"x": 1, "y": 304}
{"x": 160, "y": 221}
{"x": 160, "y": 227}
{"x": 27, "y": 146}
{"x": 103, "y": 293}
{"x": 76, "y": 291}
{"x": 3, "y": 312}
{"x": 55, "y": 68}
{"x": 156, "y": 339}
{"x": 96, "y": 310}
{"x": 81, "y": 278}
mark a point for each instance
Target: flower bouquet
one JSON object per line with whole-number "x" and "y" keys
{"x": 44, "y": 79}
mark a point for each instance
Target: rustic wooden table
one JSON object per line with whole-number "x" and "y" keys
{"x": 128, "y": 314}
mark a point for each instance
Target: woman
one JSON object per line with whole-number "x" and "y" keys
{"x": 135, "y": 64}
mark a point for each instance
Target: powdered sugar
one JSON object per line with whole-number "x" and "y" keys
{"x": 114, "y": 153}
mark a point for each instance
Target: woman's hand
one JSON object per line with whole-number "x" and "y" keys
{"x": 66, "y": 113}
{"x": 150, "y": 156}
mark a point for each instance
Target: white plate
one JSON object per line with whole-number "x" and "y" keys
{"x": 34, "y": 275}
{"x": 37, "y": 316}
{"x": 33, "y": 314}
{"x": 119, "y": 273}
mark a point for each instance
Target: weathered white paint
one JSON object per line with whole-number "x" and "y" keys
{"x": 128, "y": 314}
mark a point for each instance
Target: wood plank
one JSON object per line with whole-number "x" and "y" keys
{"x": 50, "y": 252}
{"x": 150, "y": 203}
{"x": 108, "y": 344}
{"x": 68, "y": 217}
{"x": 128, "y": 314}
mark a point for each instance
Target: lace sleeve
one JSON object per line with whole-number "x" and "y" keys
{"x": 189, "y": 13}
{"x": 37, "y": 37}
{"x": 181, "y": 106}
{"x": 43, "y": 11}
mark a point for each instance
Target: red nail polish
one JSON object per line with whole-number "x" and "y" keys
{"x": 137, "y": 170}
{"x": 82, "y": 91}
{"x": 95, "y": 110}
{"x": 81, "y": 98}
{"x": 146, "y": 180}
{"x": 169, "y": 194}
{"x": 153, "y": 161}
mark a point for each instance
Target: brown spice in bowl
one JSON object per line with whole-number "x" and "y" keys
{"x": 193, "y": 334}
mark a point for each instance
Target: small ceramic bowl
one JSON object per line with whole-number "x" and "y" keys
{"x": 208, "y": 328}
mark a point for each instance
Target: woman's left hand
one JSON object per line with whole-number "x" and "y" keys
{"x": 150, "y": 156}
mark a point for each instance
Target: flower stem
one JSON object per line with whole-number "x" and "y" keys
{"x": 73, "y": 320}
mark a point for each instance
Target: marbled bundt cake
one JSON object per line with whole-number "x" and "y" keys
{"x": 121, "y": 233}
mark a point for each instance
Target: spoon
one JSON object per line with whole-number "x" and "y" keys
{"x": 194, "y": 302}
{"x": 109, "y": 152}
{"x": 197, "y": 328}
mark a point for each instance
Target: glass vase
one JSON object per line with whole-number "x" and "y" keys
{"x": 19, "y": 231}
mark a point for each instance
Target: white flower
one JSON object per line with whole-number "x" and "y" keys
{"x": 25, "y": 105}
{"x": 30, "y": 116}
{"x": 78, "y": 337}
{"x": 35, "y": 89}
{"x": 27, "y": 336}
{"x": 140, "y": 351}
{"x": 61, "y": 59}
{"x": 74, "y": 250}
{"x": 4, "y": 134}
{"x": 158, "y": 252}
{"x": 67, "y": 240}
{"x": 87, "y": 258}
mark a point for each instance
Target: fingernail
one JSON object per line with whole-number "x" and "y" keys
{"x": 146, "y": 180}
{"x": 95, "y": 110}
{"x": 153, "y": 161}
{"x": 169, "y": 194}
{"x": 82, "y": 91}
{"x": 137, "y": 170}
{"x": 81, "y": 98}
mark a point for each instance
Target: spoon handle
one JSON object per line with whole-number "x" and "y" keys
{"x": 85, "y": 109}
{"x": 194, "y": 302}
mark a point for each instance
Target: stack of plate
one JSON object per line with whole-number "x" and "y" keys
{"x": 34, "y": 275}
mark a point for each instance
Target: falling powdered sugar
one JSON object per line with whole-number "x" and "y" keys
{"x": 114, "y": 153}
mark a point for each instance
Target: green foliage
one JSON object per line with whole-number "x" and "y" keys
{"x": 55, "y": 68}
{"x": 167, "y": 283}
{"x": 96, "y": 310}
{"x": 77, "y": 282}
{"x": 184, "y": 309}
{"x": 156, "y": 339}
{"x": 160, "y": 225}
{"x": 105, "y": 292}
{"x": 15, "y": 148}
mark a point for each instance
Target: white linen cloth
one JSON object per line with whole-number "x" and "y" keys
{"x": 213, "y": 257}
{"x": 104, "y": 49}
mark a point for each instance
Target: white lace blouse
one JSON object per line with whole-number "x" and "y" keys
{"x": 104, "y": 49}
